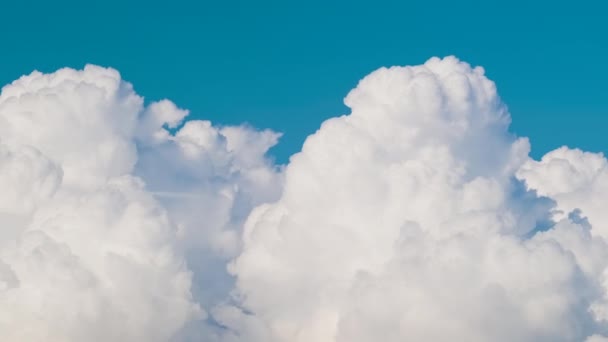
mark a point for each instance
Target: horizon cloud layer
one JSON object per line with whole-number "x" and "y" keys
{"x": 418, "y": 216}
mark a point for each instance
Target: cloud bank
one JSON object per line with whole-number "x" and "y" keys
{"x": 419, "y": 216}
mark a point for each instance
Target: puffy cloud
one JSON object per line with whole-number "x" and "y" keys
{"x": 405, "y": 220}
{"x": 107, "y": 205}
{"x": 575, "y": 180}
{"x": 418, "y": 216}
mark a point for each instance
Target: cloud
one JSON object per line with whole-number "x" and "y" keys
{"x": 575, "y": 180}
{"x": 91, "y": 246}
{"x": 405, "y": 220}
{"x": 418, "y": 216}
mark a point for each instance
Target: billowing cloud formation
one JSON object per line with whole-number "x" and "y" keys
{"x": 575, "y": 180}
{"x": 419, "y": 216}
{"x": 107, "y": 205}
{"x": 409, "y": 219}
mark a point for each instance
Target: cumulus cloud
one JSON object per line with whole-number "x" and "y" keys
{"x": 575, "y": 180}
{"x": 418, "y": 216}
{"x": 408, "y": 219}
{"x": 107, "y": 206}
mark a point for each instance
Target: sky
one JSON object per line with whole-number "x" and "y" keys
{"x": 288, "y": 65}
{"x": 296, "y": 172}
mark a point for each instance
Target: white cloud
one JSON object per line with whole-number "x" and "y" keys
{"x": 107, "y": 206}
{"x": 404, "y": 221}
{"x": 575, "y": 180}
{"x": 419, "y": 216}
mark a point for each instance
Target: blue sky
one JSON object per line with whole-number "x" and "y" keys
{"x": 287, "y": 65}
{"x": 385, "y": 228}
